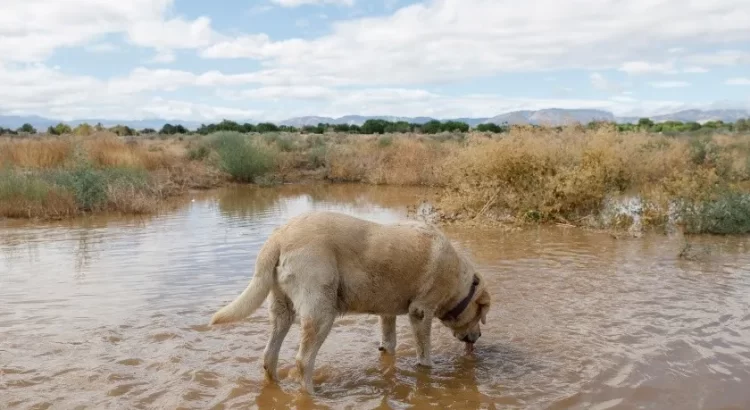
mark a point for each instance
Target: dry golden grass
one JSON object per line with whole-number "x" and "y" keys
{"x": 44, "y": 153}
{"x": 105, "y": 150}
{"x": 54, "y": 205}
{"x": 401, "y": 161}
{"x": 539, "y": 174}
{"x": 132, "y": 201}
{"x": 550, "y": 175}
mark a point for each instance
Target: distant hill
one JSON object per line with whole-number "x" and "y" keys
{"x": 349, "y": 120}
{"x": 15, "y": 122}
{"x": 703, "y": 116}
{"x": 550, "y": 116}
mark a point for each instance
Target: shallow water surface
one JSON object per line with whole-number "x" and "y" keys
{"x": 107, "y": 312}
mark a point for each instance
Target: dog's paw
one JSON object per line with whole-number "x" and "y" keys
{"x": 424, "y": 363}
{"x": 391, "y": 350}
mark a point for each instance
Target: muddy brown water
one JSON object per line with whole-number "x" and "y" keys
{"x": 107, "y": 312}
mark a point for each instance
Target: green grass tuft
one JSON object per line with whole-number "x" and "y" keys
{"x": 243, "y": 159}
{"x": 198, "y": 153}
{"x": 729, "y": 214}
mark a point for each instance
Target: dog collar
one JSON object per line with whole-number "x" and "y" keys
{"x": 453, "y": 313}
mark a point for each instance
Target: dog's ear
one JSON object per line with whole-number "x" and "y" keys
{"x": 484, "y": 306}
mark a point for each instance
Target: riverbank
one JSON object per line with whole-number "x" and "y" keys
{"x": 573, "y": 175}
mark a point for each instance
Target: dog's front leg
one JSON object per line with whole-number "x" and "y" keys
{"x": 388, "y": 334}
{"x": 421, "y": 325}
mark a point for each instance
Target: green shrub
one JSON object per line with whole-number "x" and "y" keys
{"x": 241, "y": 158}
{"x": 59, "y": 129}
{"x": 285, "y": 144}
{"x": 198, "y": 153}
{"x": 27, "y": 128}
{"x": 317, "y": 156}
{"x": 728, "y": 214}
{"x": 88, "y": 185}
{"x": 16, "y": 185}
{"x": 91, "y": 186}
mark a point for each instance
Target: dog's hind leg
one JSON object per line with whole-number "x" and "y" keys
{"x": 388, "y": 334}
{"x": 310, "y": 279}
{"x": 315, "y": 329}
{"x": 281, "y": 313}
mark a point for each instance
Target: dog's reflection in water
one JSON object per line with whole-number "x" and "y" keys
{"x": 395, "y": 383}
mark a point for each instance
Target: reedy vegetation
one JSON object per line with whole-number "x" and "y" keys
{"x": 532, "y": 174}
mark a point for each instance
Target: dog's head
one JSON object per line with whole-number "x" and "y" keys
{"x": 465, "y": 324}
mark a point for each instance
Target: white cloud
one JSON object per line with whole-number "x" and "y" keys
{"x": 721, "y": 58}
{"x": 163, "y": 57}
{"x": 644, "y": 67}
{"x": 601, "y": 83}
{"x": 259, "y": 9}
{"x": 45, "y": 91}
{"x": 357, "y": 100}
{"x": 297, "y": 3}
{"x": 173, "y": 34}
{"x": 453, "y": 37}
{"x": 669, "y": 84}
{"x": 144, "y": 79}
{"x": 101, "y": 48}
{"x": 174, "y": 109}
{"x": 738, "y": 81}
{"x": 390, "y": 4}
{"x": 38, "y": 86}
{"x": 31, "y": 30}
{"x": 247, "y": 46}
{"x": 41, "y": 90}
{"x": 281, "y": 92}
{"x": 421, "y": 45}
{"x": 695, "y": 70}
{"x": 623, "y": 99}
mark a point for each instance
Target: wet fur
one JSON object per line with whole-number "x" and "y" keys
{"x": 324, "y": 264}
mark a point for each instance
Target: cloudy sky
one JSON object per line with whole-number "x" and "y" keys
{"x": 275, "y": 59}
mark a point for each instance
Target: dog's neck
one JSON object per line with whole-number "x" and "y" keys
{"x": 461, "y": 306}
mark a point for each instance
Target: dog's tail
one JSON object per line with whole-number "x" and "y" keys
{"x": 257, "y": 290}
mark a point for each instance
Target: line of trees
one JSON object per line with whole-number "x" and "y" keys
{"x": 373, "y": 126}
{"x": 24, "y": 129}
{"x": 646, "y": 124}
{"x": 376, "y": 126}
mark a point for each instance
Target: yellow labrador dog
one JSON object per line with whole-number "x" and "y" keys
{"x": 323, "y": 264}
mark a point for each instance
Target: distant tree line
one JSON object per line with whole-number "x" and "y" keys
{"x": 24, "y": 129}
{"x": 646, "y": 124}
{"x": 372, "y": 126}
{"x": 375, "y": 126}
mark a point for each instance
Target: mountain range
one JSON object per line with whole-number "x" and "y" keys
{"x": 551, "y": 116}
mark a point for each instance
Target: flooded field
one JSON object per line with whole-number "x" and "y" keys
{"x": 111, "y": 313}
